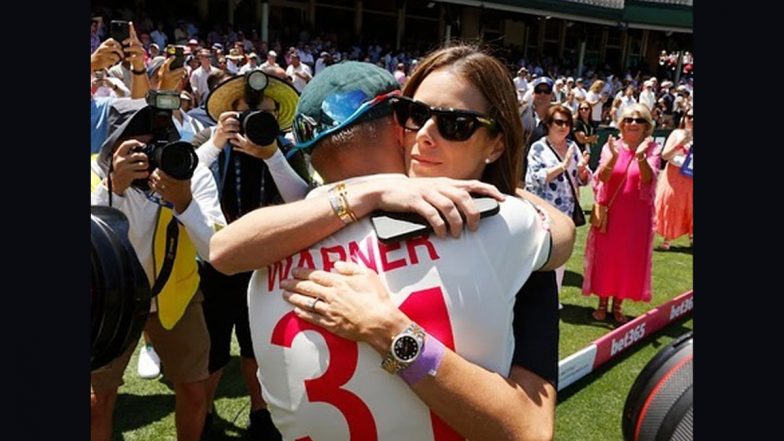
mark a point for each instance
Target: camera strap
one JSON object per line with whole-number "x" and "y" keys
{"x": 172, "y": 235}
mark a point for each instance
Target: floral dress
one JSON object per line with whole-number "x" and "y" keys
{"x": 557, "y": 192}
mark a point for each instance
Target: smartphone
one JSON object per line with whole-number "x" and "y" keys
{"x": 394, "y": 227}
{"x": 119, "y": 30}
{"x": 178, "y": 52}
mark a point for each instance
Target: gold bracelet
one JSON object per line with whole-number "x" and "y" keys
{"x": 339, "y": 203}
{"x": 343, "y": 192}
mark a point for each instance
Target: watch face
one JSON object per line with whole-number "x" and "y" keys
{"x": 406, "y": 348}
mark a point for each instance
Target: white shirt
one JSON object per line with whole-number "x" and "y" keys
{"x": 648, "y": 99}
{"x": 199, "y": 81}
{"x": 298, "y": 82}
{"x": 596, "y": 110}
{"x": 464, "y": 288}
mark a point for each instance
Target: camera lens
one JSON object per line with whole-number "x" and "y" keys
{"x": 119, "y": 291}
{"x": 177, "y": 159}
{"x": 260, "y": 127}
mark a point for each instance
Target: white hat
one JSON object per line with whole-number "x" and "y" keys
{"x": 272, "y": 54}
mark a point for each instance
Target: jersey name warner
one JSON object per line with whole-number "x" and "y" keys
{"x": 371, "y": 253}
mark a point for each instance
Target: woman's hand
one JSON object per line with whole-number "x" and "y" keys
{"x": 439, "y": 200}
{"x": 644, "y": 146}
{"x": 569, "y": 157}
{"x": 613, "y": 146}
{"x": 584, "y": 159}
{"x": 352, "y": 303}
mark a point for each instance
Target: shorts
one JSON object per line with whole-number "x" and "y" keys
{"x": 225, "y": 308}
{"x": 184, "y": 350}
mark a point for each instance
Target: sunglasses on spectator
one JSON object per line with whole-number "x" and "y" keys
{"x": 629, "y": 120}
{"x": 452, "y": 124}
{"x": 562, "y": 122}
{"x": 585, "y": 108}
{"x": 337, "y": 112}
{"x": 545, "y": 90}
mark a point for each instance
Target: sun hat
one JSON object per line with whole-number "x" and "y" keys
{"x": 221, "y": 98}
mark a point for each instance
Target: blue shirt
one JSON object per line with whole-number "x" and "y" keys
{"x": 99, "y": 121}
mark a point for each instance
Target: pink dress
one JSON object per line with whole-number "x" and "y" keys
{"x": 618, "y": 263}
{"x": 675, "y": 203}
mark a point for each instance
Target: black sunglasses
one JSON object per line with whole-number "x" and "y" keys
{"x": 585, "y": 108}
{"x": 453, "y": 125}
{"x": 562, "y": 122}
{"x": 629, "y": 120}
{"x": 545, "y": 90}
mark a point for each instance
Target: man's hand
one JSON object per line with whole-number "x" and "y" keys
{"x": 176, "y": 191}
{"x": 245, "y": 145}
{"x": 170, "y": 79}
{"x": 107, "y": 55}
{"x": 227, "y": 129}
{"x": 128, "y": 166}
{"x": 134, "y": 50}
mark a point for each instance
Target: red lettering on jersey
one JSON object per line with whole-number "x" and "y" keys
{"x": 343, "y": 358}
{"x": 326, "y": 262}
{"x": 423, "y": 241}
{"x": 368, "y": 257}
{"x": 386, "y": 265}
{"x": 306, "y": 260}
{"x": 279, "y": 270}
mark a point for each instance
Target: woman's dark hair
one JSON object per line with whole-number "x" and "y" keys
{"x": 494, "y": 82}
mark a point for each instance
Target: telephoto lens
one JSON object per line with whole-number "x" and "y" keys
{"x": 260, "y": 127}
{"x": 119, "y": 291}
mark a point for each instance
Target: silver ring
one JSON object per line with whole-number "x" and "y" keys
{"x": 313, "y": 303}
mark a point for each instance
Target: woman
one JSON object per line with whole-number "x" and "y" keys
{"x": 596, "y": 99}
{"x": 675, "y": 192}
{"x": 583, "y": 132}
{"x": 556, "y": 168}
{"x": 481, "y": 152}
{"x": 618, "y": 261}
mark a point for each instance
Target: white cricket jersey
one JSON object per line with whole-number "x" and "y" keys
{"x": 462, "y": 291}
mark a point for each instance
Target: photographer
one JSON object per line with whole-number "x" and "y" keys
{"x": 246, "y": 150}
{"x": 165, "y": 214}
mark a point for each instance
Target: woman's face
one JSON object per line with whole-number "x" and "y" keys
{"x": 560, "y": 126}
{"x": 428, "y": 154}
{"x": 634, "y": 127}
{"x": 584, "y": 111}
{"x": 689, "y": 123}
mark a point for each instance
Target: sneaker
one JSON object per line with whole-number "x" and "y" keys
{"x": 149, "y": 364}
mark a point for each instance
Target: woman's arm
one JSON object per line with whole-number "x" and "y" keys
{"x": 271, "y": 233}
{"x": 477, "y": 403}
{"x": 677, "y": 139}
{"x": 562, "y": 230}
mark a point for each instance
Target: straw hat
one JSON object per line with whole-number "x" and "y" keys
{"x": 221, "y": 98}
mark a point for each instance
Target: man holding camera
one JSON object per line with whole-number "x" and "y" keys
{"x": 172, "y": 207}
{"x": 246, "y": 148}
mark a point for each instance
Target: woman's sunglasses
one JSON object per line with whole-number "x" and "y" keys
{"x": 584, "y": 108}
{"x": 629, "y": 120}
{"x": 453, "y": 125}
{"x": 562, "y": 122}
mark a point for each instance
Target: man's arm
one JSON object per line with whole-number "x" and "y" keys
{"x": 562, "y": 230}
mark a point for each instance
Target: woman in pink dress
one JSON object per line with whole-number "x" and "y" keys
{"x": 675, "y": 192}
{"x": 618, "y": 261}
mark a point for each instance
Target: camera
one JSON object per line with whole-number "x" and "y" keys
{"x": 119, "y": 291}
{"x": 178, "y": 158}
{"x": 259, "y": 126}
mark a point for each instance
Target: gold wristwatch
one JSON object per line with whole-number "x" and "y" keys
{"x": 405, "y": 348}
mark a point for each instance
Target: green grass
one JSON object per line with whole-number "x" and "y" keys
{"x": 588, "y": 410}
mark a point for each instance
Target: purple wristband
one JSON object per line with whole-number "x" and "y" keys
{"x": 427, "y": 363}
